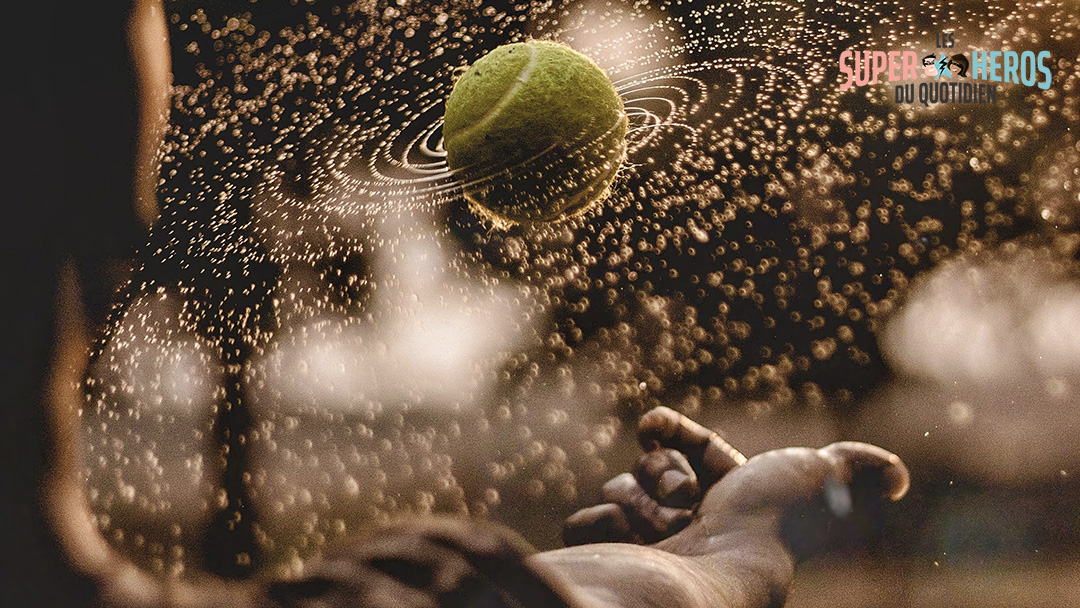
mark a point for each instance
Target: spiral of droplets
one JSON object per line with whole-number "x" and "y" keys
{"x": 400, "y": 161}
{"x": 395, "y": 354}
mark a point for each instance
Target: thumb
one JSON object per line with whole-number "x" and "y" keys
{"x": 863, "y": 464}
{"x": 850, "y": 498}
{"x": 807, "y": 497}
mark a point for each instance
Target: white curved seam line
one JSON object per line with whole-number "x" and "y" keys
{"x": 505, "y": 99}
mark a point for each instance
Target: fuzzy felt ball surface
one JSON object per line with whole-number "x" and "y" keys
{"x": 534, "y": 131}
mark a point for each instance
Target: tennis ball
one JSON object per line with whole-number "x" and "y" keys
{"x": 534, "y": 131}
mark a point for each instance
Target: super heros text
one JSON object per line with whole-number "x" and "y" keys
{"x": 1027, "y": 68}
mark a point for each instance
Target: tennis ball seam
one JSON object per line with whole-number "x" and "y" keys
{"x": 497, "y": 109}
{"x": 531, "y": 140}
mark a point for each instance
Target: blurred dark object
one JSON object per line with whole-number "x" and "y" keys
{"x": 72, "y": 158}
{"x": 446, "y": 562}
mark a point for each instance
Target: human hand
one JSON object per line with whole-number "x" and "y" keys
{"x": 726, "y": 531}
{"x": 682, "y": 460}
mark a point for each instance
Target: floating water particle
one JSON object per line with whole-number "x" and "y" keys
{"x": 397, "y": 353}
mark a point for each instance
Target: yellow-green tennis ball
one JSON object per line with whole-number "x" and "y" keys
{"x": 534, "y": 131}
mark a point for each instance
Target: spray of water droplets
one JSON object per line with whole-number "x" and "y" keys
{"x": 321, "y": 334}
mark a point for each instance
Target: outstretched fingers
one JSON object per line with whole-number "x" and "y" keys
{"x": 633, "y": 514}
{"x": 682, "y": 460}
{"x": 668, "y": 477}
{"x": 709, "y": 455}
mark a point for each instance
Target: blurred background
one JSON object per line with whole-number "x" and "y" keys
{"x": 319, "y": 334}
